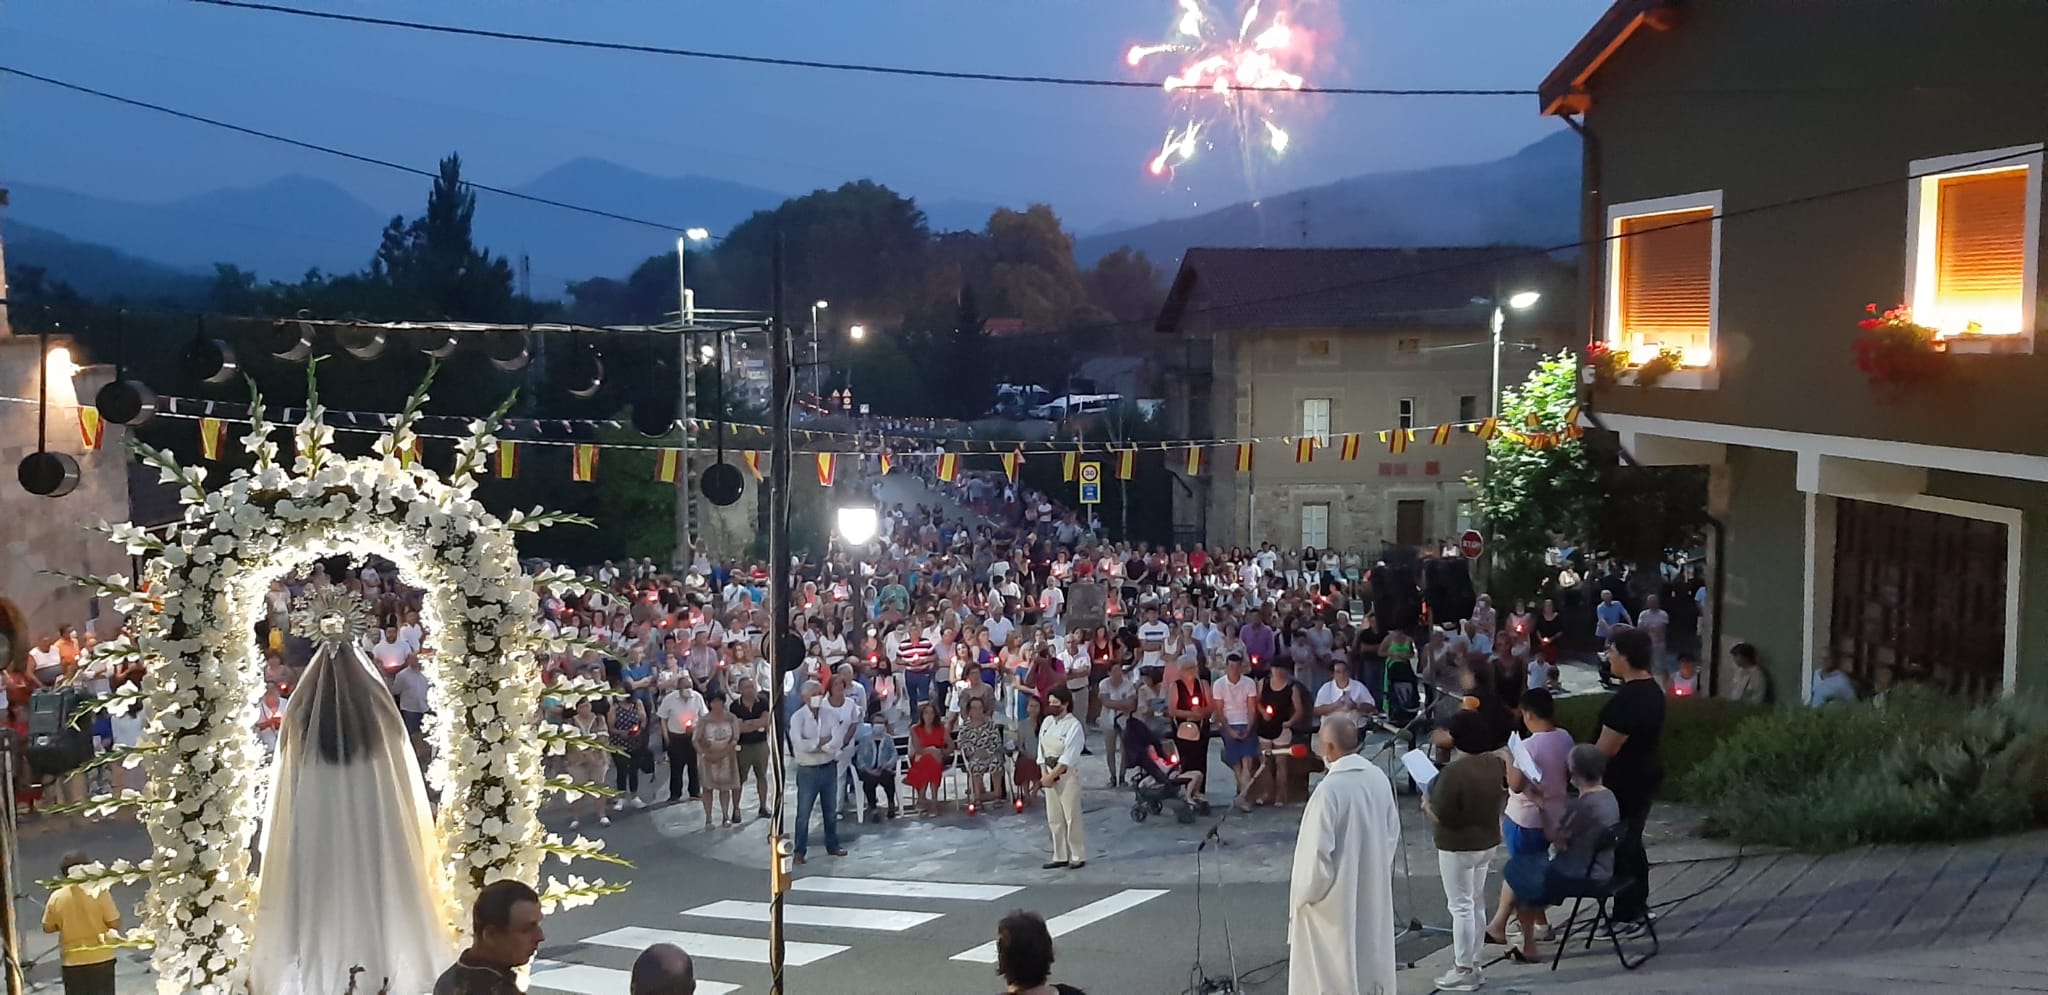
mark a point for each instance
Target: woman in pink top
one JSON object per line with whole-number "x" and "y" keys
{"x": 1534, "y": 806}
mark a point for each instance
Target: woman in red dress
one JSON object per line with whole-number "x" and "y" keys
{"x": 927, "y": 757}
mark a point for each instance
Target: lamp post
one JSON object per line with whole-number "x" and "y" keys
{"x": 856, "y": 334}
{"x": 1520, "y": 300}
{"x": 817, "y": 385}
{"x": 686, "y": 313}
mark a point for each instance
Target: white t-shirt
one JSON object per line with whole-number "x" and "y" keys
{"x": 680, "y": 710}
{"x": 1355, "y": 695}
{"x": 999, "y": 629}
{"x": 1077, "y": 669}
{"x": 1237, "y": 698}
{"x": 1050, "y": 601}
{"x": 47, "y": 663}
{"x": 1657, "y": 622}
{"x": 411, "y": 688}
{"x": 390, "y": 655}
{"x": 1154, "y": 631}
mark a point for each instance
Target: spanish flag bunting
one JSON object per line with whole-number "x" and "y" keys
{"x": 1244, "y": 457}
{"x": 753, "y": 462}
{"x": 1573, "y": 431}
{"x": 826, "y": 465}
{"x": 212, "y": 432}
{"x": 1441, "y": 435}
{"x": 668, "y": 465}
{"x": 506, "y": 460}
{"x": 1305, "y": 449}
{"x": 887, "y": 462}
{"x": 949, "y": 466}
{"x": 1126, "y": 464}
{"x": 91, "y": 429}
{"x": 1571, "y": 417}
{"x": 583, "y": 463}
{"x": 1011, "y": 462}
{"x": 1488, "y": 429}
{"x": 1349, "y": 449}
{"x": 1067, "y": 462}
{"x": 1532, "y": 421}
{"x": 1397, "y": 439}
{"x": 1197, "y": 456}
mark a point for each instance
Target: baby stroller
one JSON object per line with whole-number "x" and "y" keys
{"x": 1157, "y": 779}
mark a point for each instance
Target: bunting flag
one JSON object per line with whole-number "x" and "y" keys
{"x": 1573, "y": 431}
{"x": 1349, "y": 450}
{"x": 583, "y": 463}
{"x": 1397, "y": 439}
{"x": 506, "y": 460}
{"x": 91, "y": 429}
{"x": 1571, "y": 418}
{"x": 1441, "y": 436}
{"x": 1305, "y": 449}
{"x": 949, "y": 466}
{"x": 1197, "y": 456}
{"x": 887, "y": 462}
{"x": 1067, "y": 462}
{"x": 668, "y": 465}
{"x": 753, "y": 462}
{"x": 1532, "y": 421}
{"x": 1126, "y": 464}
{"x": 1244, "y": 457}
{"x": 212, "y": 432}
{"x": 1012, "y": 461}
{"x": 827, "y": 463}
{"x": 1487, "y": 429}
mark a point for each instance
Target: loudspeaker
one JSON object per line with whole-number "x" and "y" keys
{"x": 54, "y": 747}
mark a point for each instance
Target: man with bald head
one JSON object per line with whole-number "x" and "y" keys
{"x": 1340, "y": 927}
{"x": 664, "y": 969}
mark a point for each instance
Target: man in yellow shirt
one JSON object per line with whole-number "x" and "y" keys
{"x": 81, "y": 920}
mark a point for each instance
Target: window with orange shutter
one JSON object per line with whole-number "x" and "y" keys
{"x": 1663, "y": 293}
{"x": 1980, "y": 252}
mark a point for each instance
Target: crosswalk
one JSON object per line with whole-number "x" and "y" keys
{"x": 728, "y": 937}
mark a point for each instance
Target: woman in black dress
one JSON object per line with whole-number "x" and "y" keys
{"x": 1281, "y": 722}
{"x": 1189, "y": 709}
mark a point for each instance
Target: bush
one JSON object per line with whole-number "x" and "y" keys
{"x": 1693, "y": 729}
{"x": 1923, "y": 767}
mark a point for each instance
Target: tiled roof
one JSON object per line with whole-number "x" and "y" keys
{"x": 1347, "y": 288}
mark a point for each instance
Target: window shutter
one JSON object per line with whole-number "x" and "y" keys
{"x": 1980, "y": 246}
{"x": 1667, "y": 270}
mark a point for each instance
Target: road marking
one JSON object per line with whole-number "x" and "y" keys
{"x": 886, "y": 920}
{"x": 1067, "y": 922}
{"x": 905, "y": 889}
{"x": 583, "y": 979}
{"x": 715, "y": 945}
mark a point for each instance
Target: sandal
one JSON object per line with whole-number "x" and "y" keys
{"x": 1496, "y": 941}
{"x": 1515, "y": 954}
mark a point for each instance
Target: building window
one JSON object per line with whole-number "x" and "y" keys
{"x": 1318, "y": 351}
{"x": 1468, "y": 515}
{"x": 1468, "y": 407}
{"x": 1315, "y": 419}
{"x": 1408, "y": 345}
{"x": 1973, "y": 236}
{"x": 1406, "y": 413}
{"x": 1664, "y": 274}
{"x": 1408, "y": 520}
{"x": 1315, "y": 525}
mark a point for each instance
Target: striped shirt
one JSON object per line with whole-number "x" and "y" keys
{"x": 915, "y": 653}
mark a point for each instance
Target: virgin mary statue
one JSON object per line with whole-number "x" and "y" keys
{"x": 351, "y": 865}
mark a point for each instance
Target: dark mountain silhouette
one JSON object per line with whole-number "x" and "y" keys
{"x": 100, "y": 273}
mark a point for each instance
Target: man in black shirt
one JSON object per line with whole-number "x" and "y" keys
{"x": 506, "y": 925}
{"x": 1631, "y": 725}
{"x": 751, "y": 707}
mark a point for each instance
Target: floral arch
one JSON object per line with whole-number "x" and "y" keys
{"x": 193, "y": 621}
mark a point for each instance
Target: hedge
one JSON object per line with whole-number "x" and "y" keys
{"x": 1693, "y": 727}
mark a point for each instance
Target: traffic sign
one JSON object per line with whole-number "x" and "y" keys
{"x": 1471, "y": 544}
{"x": 1091, "y": 483}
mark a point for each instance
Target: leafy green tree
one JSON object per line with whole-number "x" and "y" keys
{"x": 969, "y": 382}
{"x": 1581, "y": 490}
{"x": 1126, "y": 287}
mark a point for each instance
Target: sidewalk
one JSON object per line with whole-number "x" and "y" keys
{"x": 1954, "y": 918}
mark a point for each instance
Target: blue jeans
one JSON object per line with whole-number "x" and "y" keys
{"x": 814, "y": 786}
{"x": 919, "y": 686}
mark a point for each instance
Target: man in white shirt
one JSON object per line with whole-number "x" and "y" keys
{"x": 1657, "y": 622}
{"x": 999, "y": 629}
{"x": 410, "y": 687}
{"x": 1238, "y": 695}
{"x": 1060, "y": 739}
{"x": 44, "y": 659}
{"x": 679, "y": 711}
{"x": 390, "y": 651}
{"x": 1344, "y": 695}
{"x": 1152, "y": 635}
{"x": 815, "y": 737}
{"x": 1052, "y": 603}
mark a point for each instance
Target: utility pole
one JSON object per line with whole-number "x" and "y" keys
{"x": 685, "y": 549}
{"x": 784, "y": 387}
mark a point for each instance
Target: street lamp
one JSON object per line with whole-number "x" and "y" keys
{"x": 816, "y": 385}
{"x": 858, "y": 523}
{"x": 686, "y": 315}
{"x": 856, "y": 333}
{"x": 1520, "y": 300}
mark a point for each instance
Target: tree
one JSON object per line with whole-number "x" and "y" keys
{"x": 1579, "y": 489}
{"x": 1127, "y": 287}
{"x": 433, "y": 262}
{"x": 969, "y": 383}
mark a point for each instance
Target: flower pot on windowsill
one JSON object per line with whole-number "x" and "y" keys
{"x": 1900, "y": 356}
{"x": 1980, "y": 344}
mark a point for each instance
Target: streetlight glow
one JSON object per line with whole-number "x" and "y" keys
{"x": 822, "y": 305}
{"x": 858, "y": 524}
{"x": 1524, "y": 299}
{"x": 857, "y": 332}
{"x": 696, "y": 234}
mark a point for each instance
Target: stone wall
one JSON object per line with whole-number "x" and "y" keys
{"x": 42, "y": 533}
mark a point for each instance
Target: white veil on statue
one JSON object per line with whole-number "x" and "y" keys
{"x": 351, "y": 864}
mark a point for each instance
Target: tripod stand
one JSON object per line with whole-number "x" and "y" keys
{"x": 1201, "y": 983}
{"x": 1386, "y": 753}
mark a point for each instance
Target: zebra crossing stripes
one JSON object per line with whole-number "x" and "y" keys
{"x": 829, "y": 916}
{"x": 1067, "y": 922}
{"x": 584, "y": 979}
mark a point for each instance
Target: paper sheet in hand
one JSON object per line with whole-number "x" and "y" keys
{"x": 1523, "y": 761}
{"x": 1420, "y": 768}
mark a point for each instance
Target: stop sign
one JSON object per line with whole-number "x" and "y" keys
{"x": 1471, "y": 544}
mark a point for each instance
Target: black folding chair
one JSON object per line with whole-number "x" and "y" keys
{"x": 1602, "y": 891}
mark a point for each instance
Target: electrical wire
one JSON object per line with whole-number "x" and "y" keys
{"x": 848, "y": 67}
{"x": 1506, "y": 256}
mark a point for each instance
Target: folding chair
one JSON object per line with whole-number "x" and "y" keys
{"x": 1602, "y": 892}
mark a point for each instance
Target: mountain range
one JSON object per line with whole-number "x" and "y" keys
{"x": 282, "y": 228}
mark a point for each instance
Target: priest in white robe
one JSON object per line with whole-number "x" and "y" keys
{"x": 1340, "y": 924}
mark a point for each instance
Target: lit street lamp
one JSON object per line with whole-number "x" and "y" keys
{"x": 686, "y": 315}
{"x": 1520, "y": 300}
{"x": 858, "y": 523}
{"x": 817, "y": 387}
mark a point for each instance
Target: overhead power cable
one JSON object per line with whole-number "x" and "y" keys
{"x": 845, "y": 67}
{"x": 1545, "y": 251}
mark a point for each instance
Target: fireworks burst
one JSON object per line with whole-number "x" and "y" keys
{"x": 1228, "y": 73}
